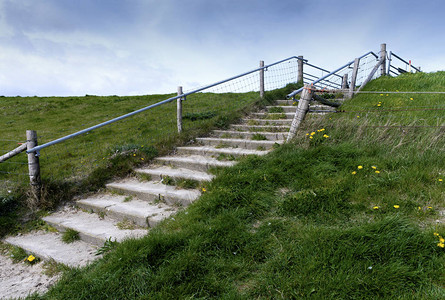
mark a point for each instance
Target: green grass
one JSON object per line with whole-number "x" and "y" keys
{"x": 70, "y": 235}
{"x": 299, "y": 223}
{"x": 86, "y": 162}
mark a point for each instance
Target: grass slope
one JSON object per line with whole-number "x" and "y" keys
{"x": 348, "y": 214}
{"x": 86, "y": 162}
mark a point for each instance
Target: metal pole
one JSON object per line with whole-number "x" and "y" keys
{"x": 34, "y": 168}
{"x": 179, "y": 110}
{"x": 261, "y": 79}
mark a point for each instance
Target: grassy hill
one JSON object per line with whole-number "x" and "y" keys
{"x": 347, "y": 214}
{"x": 86, "y": 162}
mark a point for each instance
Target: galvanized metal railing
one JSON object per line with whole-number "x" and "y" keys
{"x": 367, "y": 66}
{"x": 181, "y": 96}
{"x": 335, "y": 79}
{"x": 397, "y": 65}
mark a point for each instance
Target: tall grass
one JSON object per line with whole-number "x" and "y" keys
{"x": 348, "y": 216}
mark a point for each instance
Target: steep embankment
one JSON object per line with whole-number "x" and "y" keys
{"x": 353, "y": 212}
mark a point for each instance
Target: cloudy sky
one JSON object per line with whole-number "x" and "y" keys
{"x": 134, "y": 47}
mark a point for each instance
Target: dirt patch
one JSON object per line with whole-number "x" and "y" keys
{"x": 21, "y": 280}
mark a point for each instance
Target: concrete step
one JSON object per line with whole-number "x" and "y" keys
{"x": 155, "y": 192}
{"x": 158, "y": 172}
{"x": 265, "y": 122}
{"x": 123, "y": 208}
{"x": 246, "y": 144}
{"x": 286, "y": 102}
{"x": 271, "y": 136}
{"x": 49, "y": 246}
{"x": 91, "y": 228}
{"x": 273, "y": 116}
{"x": 285, "y": 109}
{"x": 260, "y": 128}
{"x": 193, "y": 162}
{"x": 219, "y": 152}
{"x": 321, "y": 107}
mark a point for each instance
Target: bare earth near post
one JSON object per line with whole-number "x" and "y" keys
{"x": 20, "y": 280}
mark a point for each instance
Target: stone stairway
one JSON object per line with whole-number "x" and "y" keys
{"x": 130, "y": 207}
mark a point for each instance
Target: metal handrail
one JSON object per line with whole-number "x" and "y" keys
{"x": 330, "y": 74}
{"x": 391, "y": 54}
{"x": 70, "y": 136}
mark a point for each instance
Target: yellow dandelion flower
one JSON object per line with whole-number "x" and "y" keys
{"x": 374, "y": 167}
{"x": 441, "y": 245}
{"x": 30, "y": 258}
{"x": 377, "y": 172}
{"x": 442, "y": 240}
{"x": 387, "y": 95}
{"x": 311, "y": 137}
{"x": 430, "y": 207}
{"x": 307, "y": 133}
{"x": 376, "y": 207}
{"x": 379, "y": 104}
{"x": 381, "y": 95}
{"x": 325, "y": 136}
{"x": 440, "y": 180}
{"x": 411, "y": 99}
{"x": 360, "y": 167}
{"x": 134, "y": 154}
{"x": 142, "y": 158}
{"x": 396, "y": 206}
{"x": 353, "y": 173}
{"x": 204, "y": 190}
{"x": 436, "y": 234}
{"x": 321, "y": 129}
{"x": 358, "y": 116}
{"x": 313, "y": 132}
{"x": 419, "y": 208}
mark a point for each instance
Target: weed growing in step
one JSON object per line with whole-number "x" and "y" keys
{"x": 128, "y": 198}
{"x": 276, "y": 109}
{"x": 258, "y": 137}
{"x": 70, "y": 236}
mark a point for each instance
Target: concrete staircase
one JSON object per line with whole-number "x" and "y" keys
{"x": 130, "y": 207}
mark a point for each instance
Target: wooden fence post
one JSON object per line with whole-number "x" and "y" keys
{"x": 303, "y": 107}
{"x": 261, "y": 79}
{"x": 300, "y": 69}
{"x": 34, "y": 168}
{"x": 344, "y": 83}
{"x": 353, "y": 78}
{"x": 179, "y": 110}
{"x": 383, "y": 57}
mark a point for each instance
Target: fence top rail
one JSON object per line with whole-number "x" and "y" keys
{"x": 70, "y": 136}
{"x": 330, "y": 74}
{"x": 393, "y": 54}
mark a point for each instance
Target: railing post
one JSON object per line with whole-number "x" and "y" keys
{"x": 344, "y": 83}
{"x": 34, "y": 168}
{"x": 303, "y": 107}
{"x": 353, "y": 77}
{"x": 383, "y": 56}
{"x": 300, "y": 69}
{"x": 262, "y": 79}
{"x": 179, "y": 109}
